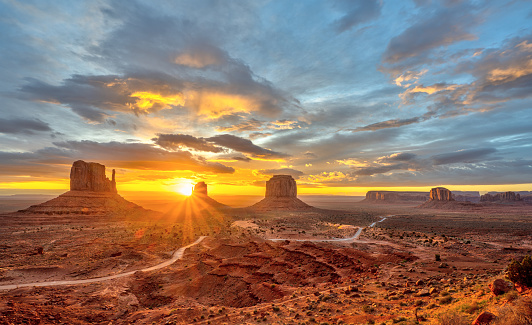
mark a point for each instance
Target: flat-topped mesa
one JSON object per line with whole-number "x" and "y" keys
{"x": 440, "y": 194}
{"x": 90, "y": 176}
{"x": 394, "y": 196}
{"x": 281, "y": 186}
{"x": 200, "y": 189}
{"x": 501, "y": 197}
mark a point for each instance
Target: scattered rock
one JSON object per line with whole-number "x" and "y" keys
{"x": 423, "y": 293}
{"x": 420, "y": 282}
{"x": 499, "y": 287}
{"x": 484, "y": 318}
{"x": 443, "y": 265}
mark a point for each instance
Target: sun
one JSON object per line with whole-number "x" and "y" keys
{"x": 184, "y": 188}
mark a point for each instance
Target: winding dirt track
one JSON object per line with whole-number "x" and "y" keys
{"x": 349, "y": 239}
{"x": 178, "y": 254}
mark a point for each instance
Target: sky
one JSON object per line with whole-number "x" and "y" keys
{"x": 345, "y": 95}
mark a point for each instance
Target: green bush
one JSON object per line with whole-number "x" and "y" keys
{"x": 520, "y": 272}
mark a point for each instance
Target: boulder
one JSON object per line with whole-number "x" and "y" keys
{"x": 90, "y": 176}
{"x": 281, "y": 186}
{"x": 440, "y": 194}
{"x": 500, "y": 286}
{"x": 484, "y": 318}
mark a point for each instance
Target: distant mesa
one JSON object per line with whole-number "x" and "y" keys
{"x": 466, "y": 196}
{"x": 281, "y": 194}
{"x": 91, "y": 193}
{"x": 506, "y": 197}
{"x": 395, "y": 197}
{"x": 442, "y": 198}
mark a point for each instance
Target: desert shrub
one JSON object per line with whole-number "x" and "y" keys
{"x": 518, "y": 314}
{"x": 446, "y": 300}
{"x": 368, "y": 309}
{"x": 470, "y": 308}
{"x": 437, "y": 257}
{"x": 452, "y": 319}
{"x": 520, "y": 272}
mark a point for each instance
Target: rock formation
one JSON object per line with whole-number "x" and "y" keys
{"x": 501, "y": 197}
{"x": 440, "y": 194}
{"x": 200, "y": 189}
{"x": 281, "y": 186}
{"x": 91, "y": 193}
{"x": 466, "y": 196}
{"x": 395, "y": 197}
{"x": 90, "y": 177}
{"x": 199, "y": 194}
{"x": 281, "y": 194}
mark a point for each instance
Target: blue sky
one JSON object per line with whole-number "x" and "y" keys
{"x": 340, "y": 94}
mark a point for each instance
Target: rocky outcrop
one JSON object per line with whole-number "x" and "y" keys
{"x": 200, "y": 189}
{"x": 281, "y": 186}
{"x": 501, "y": 197}
{"x": 395, "y": 197}
{"x": 500, "y": 286}
{"x": 90, "y": 176}
{"x": 440, "y": 194}
{"x": 281, "y": 194}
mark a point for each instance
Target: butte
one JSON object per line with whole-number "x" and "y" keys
{"x": 281, "y": 194}
{"x": 91, "y": 193}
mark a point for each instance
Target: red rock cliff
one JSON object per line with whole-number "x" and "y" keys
{"x": 281, "y": 186}
{"x": 441, "y": 194}
{"x": 90, "y": 177}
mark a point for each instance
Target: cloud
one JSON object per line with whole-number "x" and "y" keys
{"x": 357, "y": 12}
{"x": 462, "y": 156}
{"x": 395, "y": 123}
{"x": 400, "y": 156}
{"x": 282, "y": 171}
{"x": 177, "y": 141}
{"x": 245, "y": 146}
{"x": 23, "y": 126}
{"x": 368, "y": 171}
{"x": 138, "y": 156}
{"x": 443, "y": 28}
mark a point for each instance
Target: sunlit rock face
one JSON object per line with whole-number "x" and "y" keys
{"x": 90, "y": 176}
{"x": 441, "y": 194}
{"x": 501, "y": 197}
{"x": 281, "y": 194}
{"x": 200, "y": 189}
{"x": 281, "y": 186}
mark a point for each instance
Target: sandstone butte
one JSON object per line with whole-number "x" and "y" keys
{"x": 199, "y": 193}
{"x": 281, "y": 194}
{"x": 91, "y": 193}
{"x": 440, "y": 194}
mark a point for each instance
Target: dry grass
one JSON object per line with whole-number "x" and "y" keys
{"x": 518, "y": 314}
{"x": 452, "y": 319}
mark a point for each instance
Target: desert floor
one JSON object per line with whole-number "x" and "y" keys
{"x": 346, "y": 262}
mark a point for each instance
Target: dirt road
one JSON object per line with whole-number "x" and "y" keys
{"x": 178, "y": 254}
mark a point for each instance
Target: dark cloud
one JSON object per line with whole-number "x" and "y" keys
{"x": 357, "y": 12}
{"x": 23, "y": 126}
{"x": 282, "y": 171}
{"x": 244, "y": 159}
{"x": 463, "y": 156}
{"x": 177, "y": 141}
{"x": 388, "y": 124}
{"x": 245, "y": 146}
